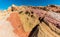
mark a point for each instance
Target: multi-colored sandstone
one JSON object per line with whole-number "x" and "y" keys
{"x": 30, "y": 21}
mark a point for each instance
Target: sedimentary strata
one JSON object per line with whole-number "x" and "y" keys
{"x": 30, "y": 21}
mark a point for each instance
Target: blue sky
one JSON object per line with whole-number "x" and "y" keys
{"x": 4, "y": 4}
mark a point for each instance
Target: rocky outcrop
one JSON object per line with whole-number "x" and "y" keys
{"x": 30, "y": 21}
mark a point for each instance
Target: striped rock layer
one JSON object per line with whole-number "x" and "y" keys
{"x": 30, "y": 21}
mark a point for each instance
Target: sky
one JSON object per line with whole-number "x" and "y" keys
{"x": 4, "y": 4}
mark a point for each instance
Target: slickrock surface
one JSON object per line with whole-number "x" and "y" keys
{"x": 30, "y": 21}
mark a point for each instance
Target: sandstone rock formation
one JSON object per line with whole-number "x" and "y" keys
{"x": 30, "y": 21}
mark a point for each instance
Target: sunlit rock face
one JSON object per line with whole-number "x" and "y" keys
{"x": 6, "y": 29}
{"x": 30, "y": 21}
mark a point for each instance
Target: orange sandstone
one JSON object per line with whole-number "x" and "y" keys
{"x": 14, "y": 19}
